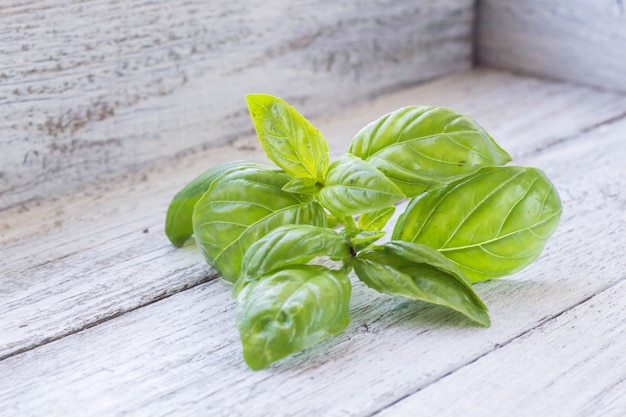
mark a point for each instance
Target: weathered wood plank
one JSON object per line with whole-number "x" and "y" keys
{"x": 181, "y": 354}
{"x": 571, "y": 366}
{"x": 94, "y": 261}
{"x": 576, "y": 40}
{"x": 89, "y": 88}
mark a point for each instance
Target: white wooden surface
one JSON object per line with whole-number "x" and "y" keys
{"x": 572, "y": 365}
{"x": 89, "y": 276}
{"x": 582, "y": 41}
{"x": 61, "y": 290}
{"x": 91, "y": 88}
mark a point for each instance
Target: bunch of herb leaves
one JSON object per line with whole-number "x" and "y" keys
{"x": 265, "y": 228}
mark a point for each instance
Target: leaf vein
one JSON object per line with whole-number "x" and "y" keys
{"x": 238, "y": 238}
{"x": 428, "y": 218}
{"x": 417, "y": 139}
{"x": 480, "y": 203}
{"x": 473, "y": 245}
{"x": 506, "y": 218}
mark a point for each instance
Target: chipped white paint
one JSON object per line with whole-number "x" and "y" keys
{"x": 91, "y": 88}
{"x": 583, "y": 41}
{"x": 181, "y": 355}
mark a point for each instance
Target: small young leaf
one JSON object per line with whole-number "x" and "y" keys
{"x": 241, "y": 207}
{"x": 289, "y": 245}
{"x": 421, "y": 273}
{"x": 289, "y": 139}
{"x": 364, "y": 239}
{"x": 178, "y": 223}
{"x": 491, "y": 224}
{"x": 302, "y": 186}
{"x": 376, "y": 220}
{"x": 422, "y": 147}
{"x": 289, "y": 310}
{"x": 322, "y": 168}
{"x": 331, "y": 221}
{"x": 353, "y": 186}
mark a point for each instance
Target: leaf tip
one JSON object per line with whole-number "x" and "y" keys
{"x": 257, "y": 99}
{"x": 483, "y": 319}
{"x": 178, "y": 242}
{"x": 254, "y": 362}
{"x": 178, "y": 228}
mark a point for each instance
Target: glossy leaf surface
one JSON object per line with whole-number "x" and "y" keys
{"x": 290, "y": 310}
{"x": 364, "y": 239}
{"x": 421, "y": 273}
{"x": 290, "y": 245}
{"x": 376, "y": 220}
{"x": 490, "y": 224}
{"x": 353, "y": 186}
{"x": 422, "y": 147}
{"x": 302, "y": 186}
{"x": 178, "y": 222}
{"x": 240, "y": 208}
{"x": 289, "y": 139}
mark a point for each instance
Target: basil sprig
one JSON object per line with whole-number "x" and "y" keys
{"x": 288, "y": 236}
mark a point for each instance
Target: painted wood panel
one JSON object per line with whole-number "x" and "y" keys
{"x": 583, "y": 41}
{"x": 571, "y": 366}
{"x": 181, "y": 355}
{"x": 73, "y": 261}
{"x": 91, "y": 88}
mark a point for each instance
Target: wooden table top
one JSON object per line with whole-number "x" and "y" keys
{"x": 101, "y": 316}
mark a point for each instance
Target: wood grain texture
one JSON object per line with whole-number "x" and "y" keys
{"x": 91, "y": 88}
{"x": 181, "y": 355}
{"x": 575, "y": 40}
{"x": 571, "y": 366}
{"x": 76, "y": 260}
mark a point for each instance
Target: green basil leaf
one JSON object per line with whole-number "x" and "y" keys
{"x": 240, "y": 208}
{"x": 303, "y": 186}
{"x": 353, "y": 186}
{"x": 322, "y": 167}
{"x": 422, "y": 147}
{"x": 290, "y": 245}
{"x": 364, "y": 239}
{"x": 289, "y": 139}
{"x": 331, "y": 221}
{"x": 178, "y": 223}
{"x": 290, "y": 310}
{"x": 376, "y": 220}
{"x": 421, "y": 273}
{"x": 491, "y": 224}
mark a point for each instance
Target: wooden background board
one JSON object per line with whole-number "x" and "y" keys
{"x": 181, "y": 355}
{"x": 91, "y": 88}
{"x": 583, "y": 41}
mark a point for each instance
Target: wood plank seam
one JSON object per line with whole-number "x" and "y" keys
{"x": 544, "y": 321}
{"x": 535, "y": 37}
{"x": 570, "y": 138}
{"x": 211, "y": 277}
{"x": 474, "y": 35}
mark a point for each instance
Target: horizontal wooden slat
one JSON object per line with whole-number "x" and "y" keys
{"x": 572, "y": 366}
{"x": 580, "y": 41}
{"x": 89, "y": 88}
{"x": 93, "y": 260}
{"x": 181, "y": 355}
